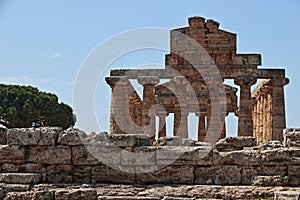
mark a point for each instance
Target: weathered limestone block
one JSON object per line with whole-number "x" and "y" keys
{"x": 82, "y": 174}
{"x": 12, "y": 154}
{"x": 184, "y": 155}
{"x": 130, "y": 140}
{"x": 105, "y": 174}
{"x": 171, "y": 174}
{"x": 71, "y": 137}
{"x": 248, "y": 173}
{"x": 254, "y": 59}
{"x": 33, "y": 136}
{"x": 291, "y": 137}
{"x": 136, "y": 198}
{"x": 27, "y": 167}
{"x": 3, "y": 136}
{"x": 203, "y": 144}
{"x": 139, "y": 157}
{"x": 220, "y": 175}
{"x": 283, "y": 195}
{"x": 50, "y": 154}
{"x": 271, "y": 180}
{"x": 294, "y": 174}
{"x": 276, "y": 156}
{"x": 268, "y": 145}
{"x": 6, "y": 188}
{"x": 20, "y": 178}
{"x": 294, "y": 153}
{"x": 60, "y": 173}
{"x": 168, "y": 141}
{"x": 187, "y": 142}
{"x": 96, "y": 154}
{"x": 244, "y": 157}
{"x": 43, "y": 195}
{"x": 76, "y": 194}
{"x": 19, "y": 196}
{"x": 81, "y": 156}
{"x": 235, "y": 143}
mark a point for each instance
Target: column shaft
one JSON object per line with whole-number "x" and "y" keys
{"x": 245, "y": 126}
{"x": 278, "y": 108}
{"x": 162, "y": 129}
{"x": 180, "y": 108}
{"x": 201, "y": 126}
{"x": 148, "y": 115}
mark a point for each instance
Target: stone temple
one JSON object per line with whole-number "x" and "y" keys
{"x": 137, "y": 161}
{"x": 201, "y": 58}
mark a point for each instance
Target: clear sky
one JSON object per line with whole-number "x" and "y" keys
{"x": 44, "y": 43}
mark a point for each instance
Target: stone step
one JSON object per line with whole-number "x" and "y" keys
{"x": 276, "y": 180}
{"x": 132, "y": 198}
{"x": 291, "y": 195}
{"x": 7, "y": 188}
{"x": 20, "y": 178}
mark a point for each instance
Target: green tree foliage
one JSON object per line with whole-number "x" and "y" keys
{"x": 20, "y": 106}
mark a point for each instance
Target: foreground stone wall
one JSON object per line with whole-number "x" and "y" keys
{"x": 149, "y": 192}
{"x": 50, "y": 155}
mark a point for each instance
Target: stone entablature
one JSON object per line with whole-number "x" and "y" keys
{"x": 215, "y": 54}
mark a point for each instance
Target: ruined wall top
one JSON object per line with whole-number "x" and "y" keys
{"x": 220, "y": 44}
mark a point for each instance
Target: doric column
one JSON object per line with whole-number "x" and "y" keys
{"x": 223, "y": 132}
{"x": 162, "y": 130}
{"x": 278, "y": 108}
{"x": 245, "y": 127}
{"x": 265, "y": 117}
{"x": 269, "y": 115}
{"x": 260, "y": 137}
{"x": 118, "y": 104}
{"x": 254, "y": 116}
{"x": 148, "y": 117}
{"x": 180, "y": 108}
{"x": 201, "y": 126}
{"x": 215, "y": 109}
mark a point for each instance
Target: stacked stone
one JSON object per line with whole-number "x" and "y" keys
{"x": 49, "y": 155}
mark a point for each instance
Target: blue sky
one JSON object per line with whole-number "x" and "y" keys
{"x": 44, "y": 43}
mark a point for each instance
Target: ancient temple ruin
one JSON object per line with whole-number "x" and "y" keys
{"x": 260, "y": 114}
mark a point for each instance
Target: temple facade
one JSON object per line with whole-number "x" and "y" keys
{"x": 202, "y": 57}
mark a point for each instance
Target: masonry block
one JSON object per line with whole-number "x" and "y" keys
{"x": 60, "y": 173}
{"x": 220, "y": 175}
{"x": 50, "y": 154}
{"x": 20, "y": 178}
{"x": 111, "y": 174}
{"x": 33, "y": 136}
{"x": 12, "y": 154}
{"x": 171, "y": 174}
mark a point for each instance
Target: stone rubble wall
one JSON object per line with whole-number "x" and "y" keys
{"x": 50, "y": 155}
{"x": 147, "y": 192}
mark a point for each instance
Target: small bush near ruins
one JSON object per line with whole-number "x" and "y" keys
{"x": 23, "y": 106}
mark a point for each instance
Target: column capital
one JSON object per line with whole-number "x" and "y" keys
{"x": 148, "y": 80}
{"x": 113, "y": 80}
{"x": 224, "y": 114}
{"x": 279, "y": 82}
{"x": 247, "y": 81}
{"x": 162, "y": 114}
{"x": 201, "y": 114}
